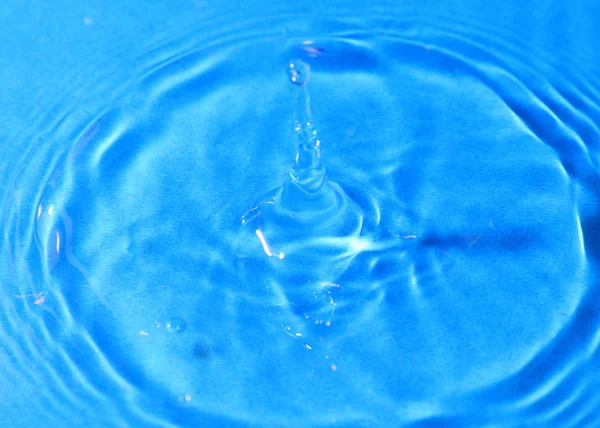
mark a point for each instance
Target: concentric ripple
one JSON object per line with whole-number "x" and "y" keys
{"x": 430, "y": 259}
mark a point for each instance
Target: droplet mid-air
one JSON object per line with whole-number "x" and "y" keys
{"x": 298, "y": 72}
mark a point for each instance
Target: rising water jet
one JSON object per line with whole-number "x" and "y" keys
{"x": 309, "y": 221}
{"x": 299, "y": 218}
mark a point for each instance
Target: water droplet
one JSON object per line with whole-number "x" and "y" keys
{"x": 298, "y": 72}
{"x": 175, "y": 325}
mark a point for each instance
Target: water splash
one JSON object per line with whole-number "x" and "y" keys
{"x": 426, "y": 311}
{"x": 309, "y": 220}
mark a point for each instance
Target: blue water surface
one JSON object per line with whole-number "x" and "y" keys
{"x": 299, "y": 214}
